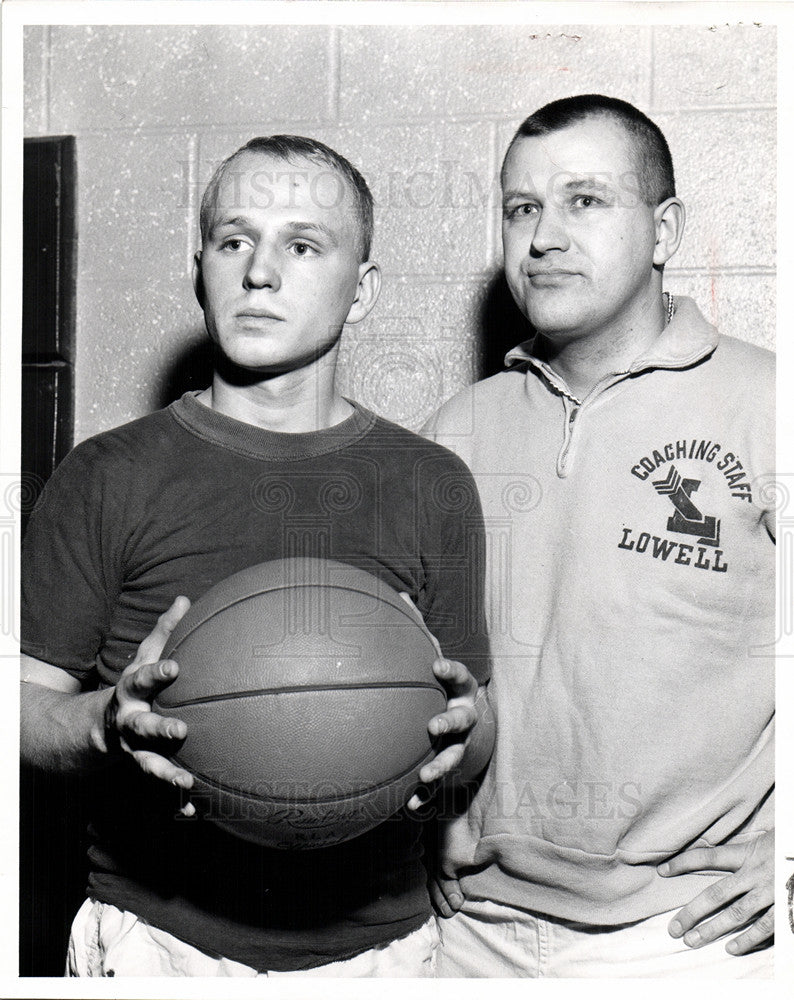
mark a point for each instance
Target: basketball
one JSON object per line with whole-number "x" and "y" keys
{"x": 306, "y": 686}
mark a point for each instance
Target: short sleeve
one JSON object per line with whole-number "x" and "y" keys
{"x": 68, "y": 580}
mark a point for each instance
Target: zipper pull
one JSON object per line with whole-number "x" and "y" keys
{"x": 562, "y": 457}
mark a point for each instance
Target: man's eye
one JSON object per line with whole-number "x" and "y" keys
{"x": 518, "y": 211}
{"x": 234, "y": 244}
{"x": 585, "y": 201}
{"x": 302, "y": 249}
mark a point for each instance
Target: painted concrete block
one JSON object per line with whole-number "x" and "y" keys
{"x": 725, "y": 164}
{"x": 34, "y": 56}
{"x": 739, "y": 305}
{"x": 431, "y": 185}
{"x": 414, "y": 351}
{"x": 698, "y": 65}
{"x": 145, "y": 76}
{"x": 394, "y": 73}
{"x": 133, "y": 345}
{"x": 133, "y": 208}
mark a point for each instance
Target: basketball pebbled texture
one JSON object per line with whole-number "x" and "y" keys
{"x": 306, "y": 686}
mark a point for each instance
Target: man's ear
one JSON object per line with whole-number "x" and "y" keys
{"x": 669, "y": 218}
{"x": 198, "y": 281}
{"x": 367, "y": 292}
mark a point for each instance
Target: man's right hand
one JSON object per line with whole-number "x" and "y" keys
{"x": 129, "y": 718}
{"x": 65, "y": 730}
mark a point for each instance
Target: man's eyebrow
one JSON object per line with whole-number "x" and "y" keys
{"x": 235, "y": 222}
{"x": 298, "y": 227}
{"x": 293, "y": 227}
{"x": 587, "y": 182}
{"x": 513, "y": 193}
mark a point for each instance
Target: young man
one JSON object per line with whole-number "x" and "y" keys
{"x": 625, "y": 825}
{"x": 269, "y": 462}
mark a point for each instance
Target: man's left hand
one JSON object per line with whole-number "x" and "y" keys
{"x": 742, "y": 901}
{"x": 455, "y": 723}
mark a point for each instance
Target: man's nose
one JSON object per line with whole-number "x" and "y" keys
{"x": 262, "y": 270}
{"x": 551, "y": 232}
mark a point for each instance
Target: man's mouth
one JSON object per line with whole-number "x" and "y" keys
{"x": 257, "y": 314}
{"x": 550, "y": 278}
{"x": 551, "y": 273}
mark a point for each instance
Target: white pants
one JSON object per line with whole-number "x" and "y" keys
{"x": 487, "y": 939}
{"x": 106, "y": 941}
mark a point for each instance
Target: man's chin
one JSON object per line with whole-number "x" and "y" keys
{"x": 244, "y": 367}
{"x": 554, "y": 322}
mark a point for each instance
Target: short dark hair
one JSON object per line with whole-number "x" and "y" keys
{"x": 657, "y": 180}
{"x": 290, "y": 147}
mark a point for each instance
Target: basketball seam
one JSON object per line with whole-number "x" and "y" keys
{"x": 291, "y": 800}
{"x": 393, "y": 602}
{"x": 301, "y": 688}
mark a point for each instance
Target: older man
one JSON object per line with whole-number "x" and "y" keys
{"x": 625, "y": 825}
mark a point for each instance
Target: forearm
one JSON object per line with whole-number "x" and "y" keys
{"x": 63, "y": 732}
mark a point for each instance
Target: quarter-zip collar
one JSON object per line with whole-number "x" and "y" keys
{"x": 686, "y": 339}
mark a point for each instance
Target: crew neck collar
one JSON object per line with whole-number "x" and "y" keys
{"x": 256, "y": 442}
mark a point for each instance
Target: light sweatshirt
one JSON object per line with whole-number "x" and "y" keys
{"x": 631, "y": 609}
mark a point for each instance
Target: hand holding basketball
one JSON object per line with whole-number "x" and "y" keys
{"x": 306, "y": 687}
{"x": 129, "y": 717}
{"x": 455, "y": 725}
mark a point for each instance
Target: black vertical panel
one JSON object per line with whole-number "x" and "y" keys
{"x": 52, "y": 808}
{"x": 49, "y": 250}
{"x": 48, "y": 308}
{"x": 46, "y": 394}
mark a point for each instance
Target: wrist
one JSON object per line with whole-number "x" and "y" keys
{"x": 103, "y": 734}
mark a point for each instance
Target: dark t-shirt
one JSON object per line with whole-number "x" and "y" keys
{"x": 172, "y": 504}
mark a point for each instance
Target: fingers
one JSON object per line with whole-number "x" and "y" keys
{"x": 747, "y": 909}
{"x": 160, "y": 767}
{"x": 727, "y": 858}
{"x": 419, "y": 799}
{"x": 757, "y": 934}
{"x": 129, "y": 719}
{"x": 455, "y": 720}
{"x": 145, "y": 681}
{"x": 740, "y": 901}
{"x": 141, "y": 731}
{"x": 152, "y": 647}
{"x": 444, "y": 762}
{"x": 150, "y": 726}
{"x": 446, "y": 895}
{"x": 730, "y": 904}
{"x": 431, "y": 774}
{"x": 460, "y": 714}
{"x": 718, "y": 895}
{"x": 744, "y": 909}
{"x": 454, "y": 725}
{"x": 456, "y": 678}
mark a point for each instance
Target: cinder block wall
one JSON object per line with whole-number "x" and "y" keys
{"x": 426, "y": 114}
